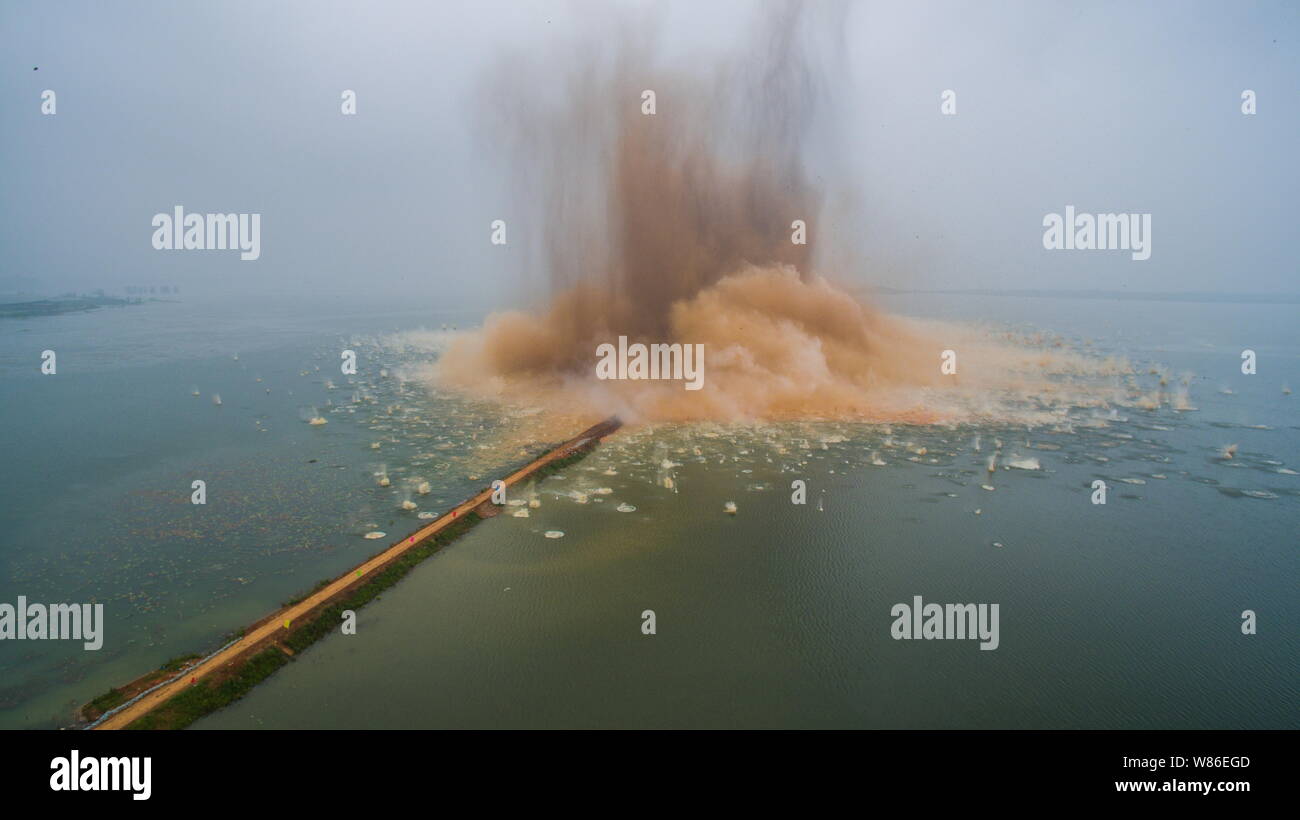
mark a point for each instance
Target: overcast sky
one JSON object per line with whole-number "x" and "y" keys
{"x": 234, "y": 107}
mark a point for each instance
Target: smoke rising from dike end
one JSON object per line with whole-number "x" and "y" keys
{"x": 673, "y": 204}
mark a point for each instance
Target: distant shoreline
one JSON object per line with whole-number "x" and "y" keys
{"x": 56, "y": 307}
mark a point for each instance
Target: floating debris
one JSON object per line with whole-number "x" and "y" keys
{"x": 427, "y": 516}
{"x": 374, "y": 535}
{"x": 520, "y": 513}
{"x": 408, "y": 505}
{"x": 1023, "y": 464}
{"x": 554, "y": 534}
{"x": 317, "y": 421}
{"x": 625, "y": 507}
{"x": 729, "y": 508}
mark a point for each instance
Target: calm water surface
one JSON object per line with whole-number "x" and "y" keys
{"x": 1123, "y": 615}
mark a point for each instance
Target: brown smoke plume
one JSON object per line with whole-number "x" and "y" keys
{"x": 676, "y": 227}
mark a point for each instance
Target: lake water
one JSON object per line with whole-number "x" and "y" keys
{"x": 1123, "y": 615}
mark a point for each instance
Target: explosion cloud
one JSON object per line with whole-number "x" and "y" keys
{"x": 677, "y": 227}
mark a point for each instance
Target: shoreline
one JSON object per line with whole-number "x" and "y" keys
{"x": 203, "y": 685}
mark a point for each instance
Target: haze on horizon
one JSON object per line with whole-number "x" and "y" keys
{"x": 234, "y": 107}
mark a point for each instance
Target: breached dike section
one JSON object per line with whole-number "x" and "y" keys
{"x": 229, "y": 673}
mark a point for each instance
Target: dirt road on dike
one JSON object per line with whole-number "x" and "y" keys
{"x": 264, "y": 634}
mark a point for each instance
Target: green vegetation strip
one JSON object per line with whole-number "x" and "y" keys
{"x": 207, "y": 697}
{"x": 111, "y": 699}
{"x": 114, "y": 698}
{"x": 204, "y": 698}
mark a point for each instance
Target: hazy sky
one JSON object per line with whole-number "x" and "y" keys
{"x": 234, "y": 107}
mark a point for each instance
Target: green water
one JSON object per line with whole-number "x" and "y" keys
{"x": 1123, "y": 615}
